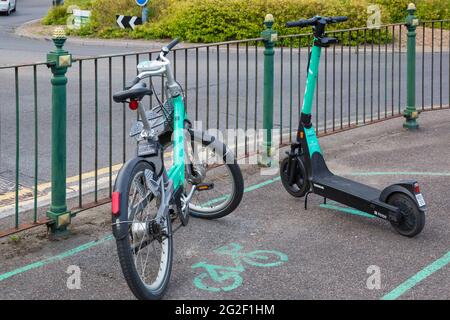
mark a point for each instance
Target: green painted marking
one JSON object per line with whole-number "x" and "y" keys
{"x": 248, "y": 189}
{"x": 88, "y": 245}
{"x": 262, "y": 184}
{"x": 418, "y": 277}
{"x": 91, "y": 244}
{"x": 227, "y": 278}
{"x": 60, "y": 256}
{"x": 213, "y": 201}
{"x": 347, "y": 210}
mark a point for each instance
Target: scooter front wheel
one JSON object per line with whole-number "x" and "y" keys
{"x": 413, "y": 219}
{"x": 301, "y": 184}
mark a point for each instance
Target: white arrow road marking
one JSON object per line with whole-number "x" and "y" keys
{"x": 132, "y": 21}
{"x": 119, "y": 22}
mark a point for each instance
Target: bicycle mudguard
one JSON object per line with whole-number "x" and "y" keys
{"x": 120, "y": 230}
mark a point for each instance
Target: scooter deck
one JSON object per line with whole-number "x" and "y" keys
{"x": 347, "y": 186}
{"x": 348, "y": 192}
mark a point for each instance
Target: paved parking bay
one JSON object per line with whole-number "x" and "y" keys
{"x": 326, "y": 252}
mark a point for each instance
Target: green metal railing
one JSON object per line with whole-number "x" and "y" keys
{"x": 357, "y": 85}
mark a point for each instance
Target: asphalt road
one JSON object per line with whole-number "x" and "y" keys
{"x": 14, "y": 49}
{"x": 351, "y": 92}
{"x": 327, "y": 253}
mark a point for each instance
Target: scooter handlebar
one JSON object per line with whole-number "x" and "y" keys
{"x": 302, "y": 23}
{"x": 338, "y": 19}
{"x": 313, "y": 21}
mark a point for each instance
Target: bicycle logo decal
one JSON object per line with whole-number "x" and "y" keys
{"x": 216, "y": 278}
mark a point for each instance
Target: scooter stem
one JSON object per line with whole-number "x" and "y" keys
{"x": 311, "y": 80}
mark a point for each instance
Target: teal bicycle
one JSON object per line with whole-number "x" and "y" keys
{"x": 204, "y": 181}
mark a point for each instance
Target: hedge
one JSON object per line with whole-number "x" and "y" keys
{"x": 222, "y": 20}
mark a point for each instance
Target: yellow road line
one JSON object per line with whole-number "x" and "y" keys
{"x": 71, "y": 180}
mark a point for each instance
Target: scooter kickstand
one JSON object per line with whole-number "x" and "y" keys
{"x": 324, "y": 200}
{"x": 306, "y": 199}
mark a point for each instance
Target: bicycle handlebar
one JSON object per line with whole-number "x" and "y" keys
{"x": 313, "y": 21}
{"x": 170, "y": 46}
{"x": 173, "y": 43}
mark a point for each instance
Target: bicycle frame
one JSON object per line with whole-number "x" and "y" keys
{"x": 166, "y": 185}
{"x": 176, "y": 173}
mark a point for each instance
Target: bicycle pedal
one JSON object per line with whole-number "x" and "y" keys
{"x": 173, "y": 215}
{"x": 205, "y": 186}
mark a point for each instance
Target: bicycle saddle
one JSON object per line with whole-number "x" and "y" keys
{"x": 137, "y": 92}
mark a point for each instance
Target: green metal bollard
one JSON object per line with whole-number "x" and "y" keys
{"x": 59, "y": 61}
{"x": 270, "y": 37}
{"x": 411, "y": 114}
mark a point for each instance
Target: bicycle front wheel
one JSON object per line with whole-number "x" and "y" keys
{"x": 221, "y": 172}
{"x": 145, "y": 254}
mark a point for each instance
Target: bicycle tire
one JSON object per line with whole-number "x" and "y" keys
{"x": 140, "y": 289}
{"x": 238, "y": 186}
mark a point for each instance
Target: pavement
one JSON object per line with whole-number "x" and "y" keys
{"x": 326, "y": 252}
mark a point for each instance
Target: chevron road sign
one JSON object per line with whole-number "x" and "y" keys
{"x": 128, "y": 21}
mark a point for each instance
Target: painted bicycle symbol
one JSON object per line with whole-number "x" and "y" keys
{"x": 218, "y": 278}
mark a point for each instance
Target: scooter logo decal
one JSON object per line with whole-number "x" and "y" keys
{"x": 380, "y": 215}
{"x": 311, "y": 139}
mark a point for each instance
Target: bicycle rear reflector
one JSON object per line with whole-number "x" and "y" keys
{"x": 115, "y": 203}
{"x": 134, "y": 104}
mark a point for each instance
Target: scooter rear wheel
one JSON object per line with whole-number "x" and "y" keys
{"x": 301, "y": 185}
{"x": 413, "y": 219}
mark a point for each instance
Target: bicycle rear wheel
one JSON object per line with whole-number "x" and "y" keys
{"x": 213, "y": 165}
{"x": 145, "y": 254}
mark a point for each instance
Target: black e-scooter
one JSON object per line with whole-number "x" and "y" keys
{"x": 304, "y": 171}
